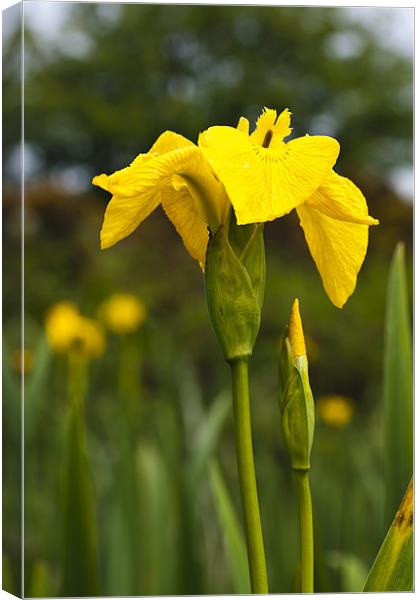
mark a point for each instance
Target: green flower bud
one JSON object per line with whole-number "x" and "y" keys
{"x": 235, "y": 282}
{"x": 295, "y": 395}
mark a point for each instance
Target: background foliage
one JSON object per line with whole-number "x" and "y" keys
{"x": 96, "y": 94}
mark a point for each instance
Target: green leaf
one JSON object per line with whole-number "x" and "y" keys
{"x": 80, "y": 576}
{"x": 208, "y": 437}
{"x": 398, "y": 387}
{"x": 229, "y": 525}
{"x": 39, "y": 581}
{"x": 392, "y": 570}
{"x": 123, "y": 572}
{"x": 247, "y": 242}
{"x": 352, "y": 570}
{"x": 7, "y": 576}
{"x": 36, "y": 387}
{"x": 253, "y": 259}
{"x": 158, "y": 517}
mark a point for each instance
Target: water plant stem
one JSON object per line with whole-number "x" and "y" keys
{"x": 306, "y": 531}
{"x": 247, "y": 480}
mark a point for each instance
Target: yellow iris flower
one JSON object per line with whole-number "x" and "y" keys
{"x": 262, "y": 177}
{"x": 266, "y": 177}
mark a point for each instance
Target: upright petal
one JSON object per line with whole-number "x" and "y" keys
{"x": 263, "y": 183}
{"x": 269, "y": 123}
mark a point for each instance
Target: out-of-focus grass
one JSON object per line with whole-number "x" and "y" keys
{"x": 149, "y": 439}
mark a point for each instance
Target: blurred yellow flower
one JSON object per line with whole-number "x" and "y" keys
{"x": 61, "y": 324}
{"x": 335, "y": 411}
{"x": 122, "y": 313}
{"x": 22, "y": 360}
{"x": 68, "y": 331}
{"x": 90, "y": 339}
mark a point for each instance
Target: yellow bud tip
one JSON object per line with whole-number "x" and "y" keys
{"x": 297, "y": 341}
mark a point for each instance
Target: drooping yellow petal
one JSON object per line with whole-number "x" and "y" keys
{"x": 129, "y": 181}
{"x": 263, "y": 183}
{"x": 335, "y": 221}
{"x": 179, "y": 206}
{"x": 123, "y": 215}
{"x": 137, "y": 189}
{"x": 340, "y": 198}
{"x": 338, "y": 249}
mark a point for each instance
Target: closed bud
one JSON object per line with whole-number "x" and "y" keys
{"x": 295, "y": 394}
{"x": 235, "y": 281}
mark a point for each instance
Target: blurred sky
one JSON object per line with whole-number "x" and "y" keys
{"x": 393, "y": 28}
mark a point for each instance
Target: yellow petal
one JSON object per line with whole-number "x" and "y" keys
{"x": 338, "y": 249}
{"x": 282, "y": 127}
{"x": 340, "y": 198}
{"x": 180, "y": 209}
{"x": 243, "y": 125}
{"x": 263, "y": 183}
{"x": 136, "y": 189}
{"x": 265, "y": 122}
{"x": 166, "y": 142}
{"x": 124, "y": 215}
{"x": 128, "y": 182}
{"x": 208, "y": 193}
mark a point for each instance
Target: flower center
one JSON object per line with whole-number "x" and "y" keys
{"x": 267, "y": 139}
{"x": 271, "y": 129}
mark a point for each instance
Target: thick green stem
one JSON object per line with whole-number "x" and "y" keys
{"x": 306, "y": 531}
{"x": 248, "y": 484}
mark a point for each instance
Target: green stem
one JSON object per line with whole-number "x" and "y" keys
{"x": 248, "y": 484}
{"x": 306, "y": 531}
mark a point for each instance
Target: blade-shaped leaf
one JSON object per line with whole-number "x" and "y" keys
{"x": 398, "y": 387}
{"x": 39, "y": 581}
{"x": 123, "y": 573}
{"x": 208, "y": 436}
{"x": 229, "y": 524}
{"x": 79, "y": 534}
{"x": 36, "y": 388}
{"x": 158, "y": 522}
{"x": 392, "y": 570}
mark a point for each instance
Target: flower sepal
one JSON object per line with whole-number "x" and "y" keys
{"x": 235, "y": 281}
